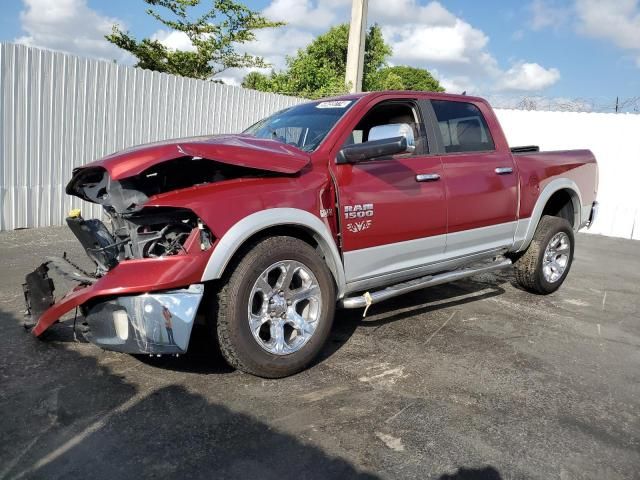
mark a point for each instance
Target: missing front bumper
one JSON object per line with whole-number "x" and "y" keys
{"x": 39, "y": 288}
{"x": 38, "y": 291}
{"x": 153, "y": 323}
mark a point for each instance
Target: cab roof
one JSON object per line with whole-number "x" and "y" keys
{"x": 433, "y": 95}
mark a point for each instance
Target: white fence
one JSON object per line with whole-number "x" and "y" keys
{"x": 58, "y": 111}
{"x": 615, "y": 141}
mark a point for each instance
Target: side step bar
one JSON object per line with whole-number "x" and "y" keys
{"x": 367, "y": 299}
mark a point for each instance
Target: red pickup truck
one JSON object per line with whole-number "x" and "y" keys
{"x": 345, "y": 201}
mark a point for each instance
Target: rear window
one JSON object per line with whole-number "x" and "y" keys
{"x": 462, "y": 127}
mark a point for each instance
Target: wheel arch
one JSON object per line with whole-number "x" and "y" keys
{"x": 557, "y": 204}
{"x": 551, "y": 197}
{"x": 276, "y": 221}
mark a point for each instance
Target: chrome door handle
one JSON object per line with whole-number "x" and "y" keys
{"x": 427, "y": 177}
{"x": 504, "y": 170}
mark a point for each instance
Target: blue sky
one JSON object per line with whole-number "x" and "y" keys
{"x": 559, "y": 49}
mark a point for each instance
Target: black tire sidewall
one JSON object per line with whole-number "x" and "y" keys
{"x": 559, "y": 225}
{"x": 265, "y": 254}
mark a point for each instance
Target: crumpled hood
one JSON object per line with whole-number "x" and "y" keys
{"x": 240, "y": 150}
{"x": 127, "y": 179}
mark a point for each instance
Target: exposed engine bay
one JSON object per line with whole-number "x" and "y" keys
{"x": 145, "y": 233}
{"x": 135, "y": 231}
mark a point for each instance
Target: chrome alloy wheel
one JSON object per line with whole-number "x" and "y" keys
{"x": 284, "y": 307}
{"x": 556, "y": 257}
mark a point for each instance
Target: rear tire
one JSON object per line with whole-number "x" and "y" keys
{"x": 274, "y": 313}
{"x": 545, "y": 264}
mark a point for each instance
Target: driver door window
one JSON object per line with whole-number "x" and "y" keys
{"x": 389, "y": 113}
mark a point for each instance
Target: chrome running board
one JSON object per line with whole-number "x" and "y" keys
{"x": 369, "y": 298}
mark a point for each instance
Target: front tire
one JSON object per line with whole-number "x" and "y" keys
{"x": 274, "y": 313}
{"x": 546, "y": 263}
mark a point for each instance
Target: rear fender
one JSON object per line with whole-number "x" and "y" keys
{"x": 526, "y": 228}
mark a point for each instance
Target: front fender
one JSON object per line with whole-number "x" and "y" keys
{"x": 239, "y": 233}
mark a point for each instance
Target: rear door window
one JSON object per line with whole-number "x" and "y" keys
{"x": 462, "y": 127}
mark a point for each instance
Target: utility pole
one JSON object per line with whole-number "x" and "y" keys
{"x": 355, "y": 51}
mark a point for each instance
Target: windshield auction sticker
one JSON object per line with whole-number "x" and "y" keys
{"x": 334, "y": 104}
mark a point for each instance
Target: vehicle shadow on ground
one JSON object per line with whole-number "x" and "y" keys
{"x": 204, "y": 355}
{"x": 422, "y": 301}
{"x": 430, "y": 300}
{"x": 485, "y": 473}
{"x": 76, "y": 418}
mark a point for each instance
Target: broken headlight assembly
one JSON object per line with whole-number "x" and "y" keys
{"x": 152, "y": 232}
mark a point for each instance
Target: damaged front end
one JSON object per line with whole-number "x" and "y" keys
{"x": 124, "y": 304}
{"x": 143, "y": 294}
{"x": 153, "y": 322}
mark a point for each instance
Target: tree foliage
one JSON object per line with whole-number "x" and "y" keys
{"x": 402, "y": 77}
{"x": 214, "y": 33}
{"x": 319, "y": 69}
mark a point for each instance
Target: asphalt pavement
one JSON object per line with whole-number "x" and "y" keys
{"x": 472, "y": 380}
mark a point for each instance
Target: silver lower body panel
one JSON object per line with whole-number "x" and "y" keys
{"x": 153, "y": 323}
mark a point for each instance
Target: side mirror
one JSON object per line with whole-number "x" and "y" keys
{"x": 393, "y": 130}
{"x": 384, "y": 140}
{"x": 372, "y": 149}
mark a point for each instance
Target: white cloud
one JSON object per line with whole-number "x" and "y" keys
{"x": 302, "y": 13}
{"x": 528, "y": 77}
{"x": 275, "y": 43}
{"x": 545, "y": 14}
{"x": 70, "y": 26}
{"x": 421, "y": 34}
{"x": 617, "y": 21}
{"x": 271, "y": 44}
{"x": 428, "y": 33}
{"x": 456, "y": 84}
{"x": 403, "y": 11}
{"x": 174, "y": 40}
{"x": 458, "y": 53}
{"x": 459, "y": 43}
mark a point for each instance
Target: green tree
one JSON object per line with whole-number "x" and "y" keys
{"x": 214, "y": 32}
{"x": 254, "y": 81}
{"x": 403, "y": 77}
{"x": 319, "y": 69}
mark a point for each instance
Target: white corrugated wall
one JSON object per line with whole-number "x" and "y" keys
{"x": 615, "y": 141}
{"x": 58, "y": 111}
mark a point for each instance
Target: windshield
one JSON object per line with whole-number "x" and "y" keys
{"x": 303, "y": 126}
